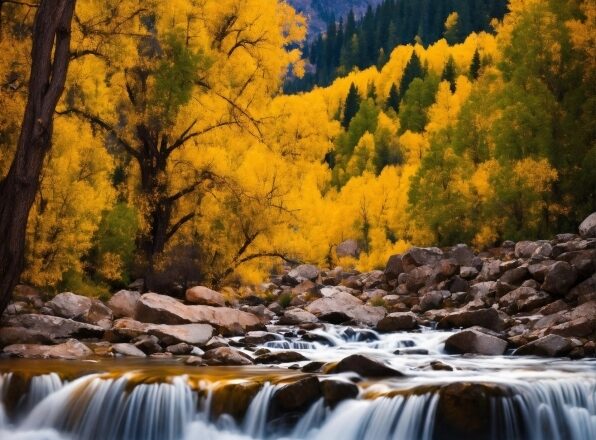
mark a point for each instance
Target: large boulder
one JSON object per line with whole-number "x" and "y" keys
{"x": 342, "y": 303}
{"x": 474, "y": 341}
{"x": 233, "y": 399}
{"x": 548, "y": 346}
{"x": 304, "y": 272}
{"x": 226, "y": 356}
{"x": 417, "y": 256}
{"x": 488, "y": 318}
{"x": 463, "y": 255}
{"x": 205, "y": 296}
{"x": 297, "y": 396}
{"x": 364, "y": 366}
{"x": 194, "y": 334}
{"x": 348, "y": 248}
{"x": 69, "y": 350}
{"x": 525, "y": 249}
{"x": 394, "y": 268}
{"x": 560, "y": 277}
{"x": 69, "y": 305}
{"x": 53, "y": 328}
{"x": 161, "y": 309}
{"x": 587, "y": 228}
{"x": 418, "y": 277}
{"x": 524, "y": 299}
{"x": 297, "y": 316}
{"x": 399, "y": 321}
{"x": 578, "y": 328}
{"x": 124, "y": 303}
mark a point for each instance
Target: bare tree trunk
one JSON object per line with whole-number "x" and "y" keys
{"x": 50, "y": 56}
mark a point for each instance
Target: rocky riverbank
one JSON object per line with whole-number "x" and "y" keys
{"x": 526, "y": 298}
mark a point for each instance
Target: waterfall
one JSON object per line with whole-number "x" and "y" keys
{"x": 256, "y": 415}
{"x": 546, "y": 410}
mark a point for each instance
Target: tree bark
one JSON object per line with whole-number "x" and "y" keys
{"x": 50, "y": 57}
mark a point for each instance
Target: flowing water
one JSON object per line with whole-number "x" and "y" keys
{"x": 520, "y": 397}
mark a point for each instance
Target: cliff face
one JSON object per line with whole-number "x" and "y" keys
{"x": 320, "y": 12}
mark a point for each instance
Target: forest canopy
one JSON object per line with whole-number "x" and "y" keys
{"x": 176, "y": 156}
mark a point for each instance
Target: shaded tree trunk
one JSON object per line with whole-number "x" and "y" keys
{"x": 50, "y": 57}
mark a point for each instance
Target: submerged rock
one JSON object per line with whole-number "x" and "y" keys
{"x": 364, "y": 366}
{"x": 474, "y": 341}
{"x": 298, "y": 395}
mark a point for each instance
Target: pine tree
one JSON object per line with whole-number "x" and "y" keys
{"x": 412, "y": 71}
{"x": 475, "y": 66}
{"x": 449, "y": 73}
{"x": 352, "y": 106}
{"x": 393, "y": 100}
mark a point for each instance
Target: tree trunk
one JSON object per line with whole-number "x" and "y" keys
{"x": 50, "y": 56}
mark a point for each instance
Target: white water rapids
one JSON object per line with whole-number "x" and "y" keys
{"x": 546, "y": 399}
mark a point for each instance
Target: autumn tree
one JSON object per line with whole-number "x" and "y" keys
{"x": 50, "y": 56}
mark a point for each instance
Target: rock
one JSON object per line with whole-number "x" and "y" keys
{"x": 587, "y": 228}
{"x": 444, "y": 270}
{"x": 548, "y": 346}
{"x": 440, "y": 366}
{"x": 484, "y": 291}
{"x": 179, "y": 349}
{"x": 204, "y": 296}
{"x": 304, "y": 272}
{"x": 417, "y": 256}
{"x": 53, "y": 328}
{"x": 583, "y": 289}
{"x": 128, "y": 350}
{"x": 148, "y": 344}
{"x": 69, "y": 350}
{"x": 417, "y": 277}
{"x": 473, "y": 341}
{"x": 399, "y": 321}
{"x": 124, "y": 303}
{"x": 539, "y": 270}
{"x": 525, "y": 249}
{"x": 125, "y": 329}
{"x": 433, "y": 299}
{"x": 515, "y": 276}
{"x": 584, "y": 262}
{"x": 468, "y": 273}
{"x": 560, "y": 277}
{"x": 542, "y": 252}
{"x": 280, "y": 357}
{"x": 487, "y": 318}
{"x": 163, "y": 309}
{"x": 297, "y": 316}
{"x": 259, "y": 337}
{"x": 348, "y": 305}
{"x": 577, "y": 328}
{"x": 226, "y": 356}
{"x": 335, "y": 391}
{"x": 491, "y": 270}
{"x": 457, "y": 284}
{"x": 364, "y": 366}
{"x": 194, "y": 334}
{"x": 394, "y": 268}
{"x": 554, "y": 307}
{"x": 194, "y": 361}
{"x": 99, "y": 314}
{"x": 233, "y": 399}
{"x": 21, "y": 335}
{"x": 69, "y": 305}
{"x": 348, "y": 248}
{"x": 464, "y": 410}
{"x": 462, "y": 254}
{"x": 524, "y": 299}
{"x": 298, "y": 395}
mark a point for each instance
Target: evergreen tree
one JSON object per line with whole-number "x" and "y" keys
{"x": 475, "y": 66}
{"x": 412, "y": 71}
{"x": 393, "y": 100}
{"x": 351, "y": 106}
{"x": 449, "y": 73}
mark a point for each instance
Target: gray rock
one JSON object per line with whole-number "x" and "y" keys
{"x": 474, "y": 341}
{"x": 53, "y": 328}
{"x": 463, "y": 255}
{"x": 548, "y": 346}
{"x": 124, "y": 303}
{"x": 69, "y": 305}
{"x": 297, "y": 316}
{"x": 468, "y": 272}
{"x": 525, "y": 249}
{"x": 194, "y": 334}
{"x": 129, "y": 350}
{"x": 399, "y": 321}
{"x": 348, "y": 305}
{"x": 69, "y": 350}
{"x": 304, "y": 272}
{"x": 524, "y": 299}
{"x": 416, "y": 257}
{"x": 226, "y": 356}
{"x": 587, "y": 228}
{"x": 348, "y": 248}
{"x": 560, "y": 277}
{"x": 433, "y": 299}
